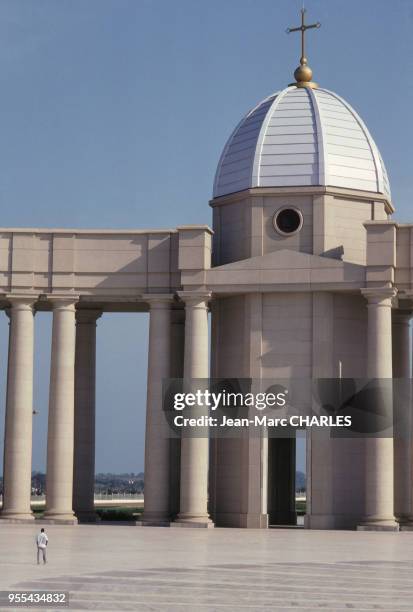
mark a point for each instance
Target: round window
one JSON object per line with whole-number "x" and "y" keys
{"x": 288, "y": 221}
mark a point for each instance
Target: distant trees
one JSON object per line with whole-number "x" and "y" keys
{"x": 300, "y": 482}
{"x": 129, "y": 483}
{"x": 38, "y": 483}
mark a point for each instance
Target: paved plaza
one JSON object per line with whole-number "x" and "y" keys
{"x": 173, "y": 570}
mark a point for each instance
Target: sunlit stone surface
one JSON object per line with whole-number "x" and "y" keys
{"x": 136, "y": 568}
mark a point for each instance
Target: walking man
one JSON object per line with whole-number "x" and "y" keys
{"x": 41, "y": 541}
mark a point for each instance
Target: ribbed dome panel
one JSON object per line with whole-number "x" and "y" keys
{"x": 301, "y": 137}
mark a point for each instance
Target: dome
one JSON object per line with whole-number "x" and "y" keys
{"x": 301, "y": 137}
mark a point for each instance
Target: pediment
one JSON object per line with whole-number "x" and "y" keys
{"x": 286, "y": 259}
{"x": 285, "y": 268}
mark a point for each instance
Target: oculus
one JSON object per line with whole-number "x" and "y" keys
{"x": 287, "y": 221}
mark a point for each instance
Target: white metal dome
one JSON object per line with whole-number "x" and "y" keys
{"x": 301, "y": 137}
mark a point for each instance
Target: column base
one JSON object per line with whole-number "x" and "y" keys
{"x": 155, "y": 519}
{"x": 404, "y": 519}
{"x": 58, "y": 519}
{"x": 190, "y": 520}
{"x": 406, "y": 523}
{"x": 248, "y": 520}
{"x": 8, "y": 517}
{"x": 331, "y": 521}
{"x": 379, "y": 525}
{"x": 154, "y": 523}
{"x": 86, "y": 516}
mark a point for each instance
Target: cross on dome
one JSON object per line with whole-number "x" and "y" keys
{"x": 303, "y": 74}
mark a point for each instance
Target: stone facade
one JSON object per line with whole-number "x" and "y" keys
{"x": 329, "y": 298}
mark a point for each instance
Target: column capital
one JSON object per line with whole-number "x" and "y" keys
{"x": 63, "y": 302}
{"x": 195, "y": 299}
{"x": 158, "y": 300}
{"x": 87, "y": 316}
{"x": 22, "y": 301}
{"x": 379, "y": 296}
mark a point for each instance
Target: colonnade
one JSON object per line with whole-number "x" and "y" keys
{"x": 71, "y": 418}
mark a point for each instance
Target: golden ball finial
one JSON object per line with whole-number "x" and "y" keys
{"x": 303, "y": 74}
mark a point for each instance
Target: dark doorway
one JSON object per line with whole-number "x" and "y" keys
{"x": 281, "y": 481}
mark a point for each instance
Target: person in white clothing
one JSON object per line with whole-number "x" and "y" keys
{"x": 41, "y": 541}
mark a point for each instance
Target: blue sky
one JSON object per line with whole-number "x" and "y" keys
{"x": 113, "y": 113}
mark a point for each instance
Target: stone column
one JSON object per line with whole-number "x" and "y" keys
{"x": 19, "y": 413}
{"x": 85, "y": 421}
{"x": 156, "y": 494}
{"x": 59, "y": 477}
{"x": 401, "y": 344}
{"x": 379, "y": 467}
{"x": 194, "y": 450}
{"x": 403, "y": 458}
{"x": 177, "y": 371}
